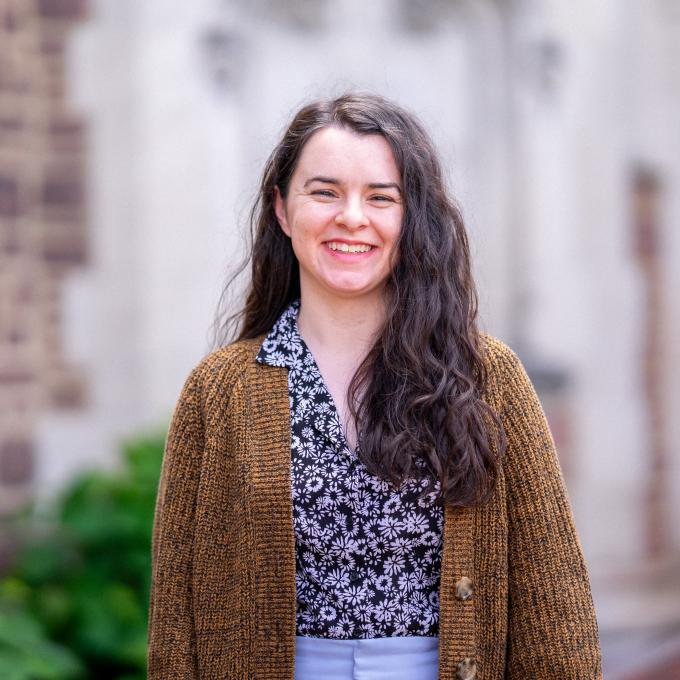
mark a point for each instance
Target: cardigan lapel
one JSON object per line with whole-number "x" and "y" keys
{"x": 457, "y": 640}
{"x": 272, "y": 517}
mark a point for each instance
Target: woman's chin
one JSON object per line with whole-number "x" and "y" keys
{"x": 352, "y": 289}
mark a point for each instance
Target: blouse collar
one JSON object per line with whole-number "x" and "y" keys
{"x": 282, "y": 346}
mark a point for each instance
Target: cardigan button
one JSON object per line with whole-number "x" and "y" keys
{"x": 467, "y": 669}
{"x": 464, "y": 588}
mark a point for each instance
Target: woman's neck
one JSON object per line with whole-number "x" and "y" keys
{"x": 343, "y": 326}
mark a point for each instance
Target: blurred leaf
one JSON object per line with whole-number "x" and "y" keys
{"x": 14, "y": 591}
{"x": 25, "y": 653}
{"x": 76, "y": 600}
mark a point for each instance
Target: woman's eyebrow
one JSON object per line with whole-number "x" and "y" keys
{"x": 325, "y": 180}
{"x": 384, "y": 185}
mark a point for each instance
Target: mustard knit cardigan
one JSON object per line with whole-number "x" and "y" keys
{"x": 515, "y": 600}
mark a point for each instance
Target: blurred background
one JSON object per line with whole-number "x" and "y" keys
{"x": 132, "y": 135}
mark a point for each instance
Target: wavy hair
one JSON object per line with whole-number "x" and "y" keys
{"x": 416, "y": 397}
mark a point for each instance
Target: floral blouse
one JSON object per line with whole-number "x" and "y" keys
{"x": 368, "y": 558}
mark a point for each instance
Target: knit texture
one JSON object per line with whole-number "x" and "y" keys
{"x": 223, "y": 582}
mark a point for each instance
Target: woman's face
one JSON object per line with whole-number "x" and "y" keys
{"x": 343, "y": 212}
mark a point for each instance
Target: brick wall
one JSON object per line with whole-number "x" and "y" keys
{"x": 647, "y": 196}
{"x": 43, "y": 233}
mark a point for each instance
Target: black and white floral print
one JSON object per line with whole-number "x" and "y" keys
{"x": 368, "y": 557}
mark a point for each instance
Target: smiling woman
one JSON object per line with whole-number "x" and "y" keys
{"x": 363, "y": 484}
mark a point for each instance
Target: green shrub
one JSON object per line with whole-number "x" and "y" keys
{"x": 75, "y": 602}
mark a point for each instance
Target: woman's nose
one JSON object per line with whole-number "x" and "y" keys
{"x": 352, "y": 215}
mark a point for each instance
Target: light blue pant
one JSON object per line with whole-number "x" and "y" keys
{"x": 391, "y": 658}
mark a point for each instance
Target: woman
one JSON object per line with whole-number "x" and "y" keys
{"x": 363, "y": 484}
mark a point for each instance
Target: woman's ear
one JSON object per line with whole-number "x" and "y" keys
{"x": 280, "y": 210}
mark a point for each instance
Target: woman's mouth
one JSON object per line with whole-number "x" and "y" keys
{"x": 342, "y": 247}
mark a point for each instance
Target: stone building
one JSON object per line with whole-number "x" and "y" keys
{"x": 131, "y": 137}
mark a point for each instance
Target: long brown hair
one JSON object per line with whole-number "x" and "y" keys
{"x": 417, "y": 394}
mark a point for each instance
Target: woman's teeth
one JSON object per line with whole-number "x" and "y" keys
{"x": 346, "y": 248}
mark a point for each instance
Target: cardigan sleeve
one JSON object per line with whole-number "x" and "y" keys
{"x": 552, "y": 629}
{"x": 172, "y": 644}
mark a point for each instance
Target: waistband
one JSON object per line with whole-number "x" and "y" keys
{"x": 391, "y": 658}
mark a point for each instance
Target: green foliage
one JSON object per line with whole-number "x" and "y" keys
{"x": 26, "y": 653}
{"x": 75, "y": 603}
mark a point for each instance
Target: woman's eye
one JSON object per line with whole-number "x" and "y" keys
{"x": 382, "y": 197}
{"x": 323, "y": 192}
